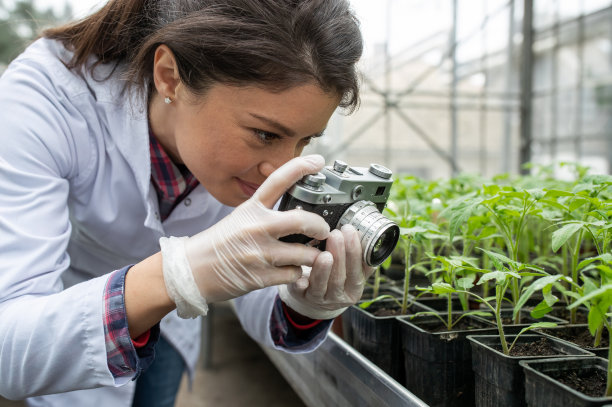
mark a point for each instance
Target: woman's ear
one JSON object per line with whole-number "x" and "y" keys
{"x": 165, "y": 72}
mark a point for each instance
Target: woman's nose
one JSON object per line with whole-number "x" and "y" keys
{"x": 266, "y": 168}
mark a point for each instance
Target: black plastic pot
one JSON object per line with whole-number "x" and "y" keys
{"x": 498, "y": 378}
{"x": 368, "y": 295}
{"x": 348, "y": 317}
{"x": 567, "y": 332}
{"x": 543, "y": 390}
{"x": 561, "y": 311}
{"x": 377, "y": 337}
{"x": 438, "y": 365}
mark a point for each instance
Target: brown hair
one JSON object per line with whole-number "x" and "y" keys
{"x": 274, "y": 43}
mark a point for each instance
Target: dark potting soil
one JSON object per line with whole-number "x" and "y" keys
{"x": 387, "y": 312}
{"x": 582, "y": 337}
{"x": 391, "y": 311}
{"x": 438, "y": 326}
{"x": 581, "y": 317}
{"x": 540, "y": 347}
{"x": 591, "y": 382}
{"x": 507, "y": 321}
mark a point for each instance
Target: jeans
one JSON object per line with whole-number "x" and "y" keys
{"x": 158, "y": 385}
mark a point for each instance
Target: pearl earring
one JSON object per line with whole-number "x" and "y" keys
{"x": 167, "y": 100}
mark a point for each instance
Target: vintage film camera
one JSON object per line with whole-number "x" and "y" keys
{"x": 348, "y": 195}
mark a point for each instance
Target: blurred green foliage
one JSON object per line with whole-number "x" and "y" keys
{"x": 21, "y": 22}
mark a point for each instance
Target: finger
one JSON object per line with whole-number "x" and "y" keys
{"x": 283, "y": 178}
{"x": 354, "y": 264}
{"x": 319, "y": 275}
{"x": 297, "y": 221}
{"x": 291, "y": 254}
{"x": 336, "y": 246}
{"x": 302, "y": 284}
{"x": 281, "y": 275}
{"x": 367, "y": 271}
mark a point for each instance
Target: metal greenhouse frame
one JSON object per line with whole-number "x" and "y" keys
{"x": 551, "y": 100}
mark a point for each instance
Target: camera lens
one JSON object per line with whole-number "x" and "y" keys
{"x": 379, "y": 235}
{"x": 383, "y": 247}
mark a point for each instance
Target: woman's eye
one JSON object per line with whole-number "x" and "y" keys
{"x": 307, "y": 140}
{"x": 266, "y": 137}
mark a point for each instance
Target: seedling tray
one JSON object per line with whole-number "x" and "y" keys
{"x": 337, "y": 375}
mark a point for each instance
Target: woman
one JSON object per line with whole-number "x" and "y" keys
{"x": 129, "y": 138}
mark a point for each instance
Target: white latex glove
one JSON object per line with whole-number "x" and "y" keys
{"x": 336, "y": 279}
{"x": 242, "y": 253}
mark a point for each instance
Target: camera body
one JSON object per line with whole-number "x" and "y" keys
{"x": 341, "y": 195}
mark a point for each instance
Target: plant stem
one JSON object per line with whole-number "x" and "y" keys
{"x": 574, "y": 265}
{"x": 599, "y": 251}
{"x": 430, "y": 249}
{"x": 407, "y": 248}
{"x": 598, "y": 335}
{"x": 515, "y": 297}
{"x": 564, "y": 256}
{"x": 609, "y": 381}
{"x": 449, "y": 310}
{"x": 376, "y": 288}
{"x": 516, "y": 292}
{"x": 500, "y": 327}
{"x": 485, "y": 266}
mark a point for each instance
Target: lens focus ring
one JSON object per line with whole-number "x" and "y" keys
{"x": 378, "y": 234}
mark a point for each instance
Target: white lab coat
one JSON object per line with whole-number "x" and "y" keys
{"x": 76, "y": 203}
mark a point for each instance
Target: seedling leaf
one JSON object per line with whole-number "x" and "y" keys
{"x": 366, "y": 304}
{"x": 560, "y": 236}
{"x": 442, "y": 288}
{"x": 535, "y": 286}
{"x": 540, "y": 310}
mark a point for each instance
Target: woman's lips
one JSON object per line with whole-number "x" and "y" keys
{"x": 247, "y": 187}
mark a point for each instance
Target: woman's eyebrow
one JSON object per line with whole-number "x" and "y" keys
{"x": 276, "y": 125}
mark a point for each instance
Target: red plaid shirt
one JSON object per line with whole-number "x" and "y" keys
{"x": 126, "y": 356}
{"x": 172, "y": 182}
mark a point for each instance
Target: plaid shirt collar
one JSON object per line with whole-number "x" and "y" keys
{"x": 172, "y": 182}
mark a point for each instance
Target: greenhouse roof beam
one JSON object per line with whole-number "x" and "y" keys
{"x": 425, "y": 137}
{"x": 358, "y": 133}
{"x": 526, "y": 86}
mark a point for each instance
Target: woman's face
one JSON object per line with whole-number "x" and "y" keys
{"x": 235, "y": 137}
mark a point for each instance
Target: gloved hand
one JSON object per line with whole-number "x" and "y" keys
{"x": 336, "y": 279}
{"x": 242, "y": 253}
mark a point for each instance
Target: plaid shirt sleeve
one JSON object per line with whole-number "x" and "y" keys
{"x": 122, "y": 357}
{"x": 287, "y": 334}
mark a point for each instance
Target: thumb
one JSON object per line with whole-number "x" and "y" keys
{"x": 283, "y": 178}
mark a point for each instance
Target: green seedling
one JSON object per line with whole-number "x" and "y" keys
{"x": 509, "y": 211}
{"x": 585, "y": 214}
{"x": 598, "y": 300}
{"x": 504, "y": 275}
